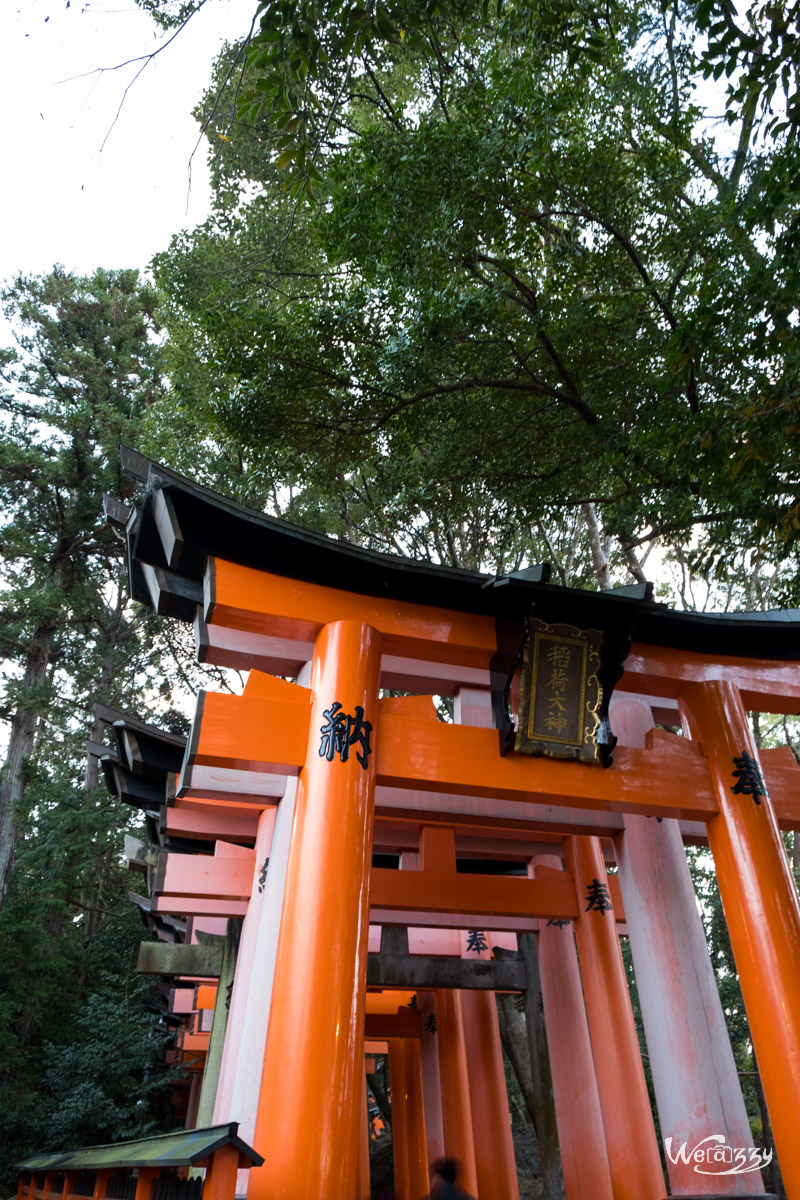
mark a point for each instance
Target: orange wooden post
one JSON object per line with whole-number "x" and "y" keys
{"x": 397, "y": 1082}
{"x": 691, "y": 1062}
{"x": 145, "y": 1182}
{"x": 194, "y": 1100}
{"x": 633, "y": 1156}
{"x": 364, "y": 1186}
{"x": 431, "y": 1085}
{"x": 581, "y": 1134}
{"x": 456, "y": 1107}
{"x": 415, "y": 1120}
{"x": 496, "y": 1168}
{"x": 100, "y": 1183}
{"x": 759, "y": 898}
{"x": 220, "y": 1181}
{"x": 491, "y": 1122}
{"x": 491, "y": 1125}
{"x": 22, "y": 1186}
{"x": 316, "y": 1025}
{"x": 68, "y": 1178}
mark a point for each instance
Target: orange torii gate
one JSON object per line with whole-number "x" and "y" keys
{"x": 336, "y": 770}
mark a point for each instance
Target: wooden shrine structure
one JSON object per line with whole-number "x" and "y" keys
{"x": 378, "y": 873}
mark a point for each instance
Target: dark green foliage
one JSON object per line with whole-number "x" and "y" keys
{"x": 534, "y": 281}
{"x": 75, "y": 1038}
{"x": 91, "y": 1070}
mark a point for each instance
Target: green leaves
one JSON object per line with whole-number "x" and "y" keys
{"x": 530, "y": 273}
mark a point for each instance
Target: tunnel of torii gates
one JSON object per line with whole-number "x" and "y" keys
{"x": 501, "y": 826}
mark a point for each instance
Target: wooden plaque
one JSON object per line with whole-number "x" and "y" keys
{"x": 560, "y": 693}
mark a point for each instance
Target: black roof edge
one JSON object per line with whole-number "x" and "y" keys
{"x": 212, "y": 525}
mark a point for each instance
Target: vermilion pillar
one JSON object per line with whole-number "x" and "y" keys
{"x": 235, "y": 1100}
{"x": 397, "y": 1081}
{"x": 579, "y": 1118}
{"x": 220, "y": 1181}
{"x": 415, "y": 1116}
{"x": 759, "y": 898}
{"x": 364, "y": 1188}
{"x": 316, "y": 1022}
{"x": 144, "y": 1183}
{"x": 491, "y": 1125}
{"x": 631, "y": 1145}
{"x": 100, "y": 1182}
{"x": 431, "y": 1086}
{"x": 496, "y": 1171}
{"x": 691, "y": 1061}
{"x": 456, "y": 1107}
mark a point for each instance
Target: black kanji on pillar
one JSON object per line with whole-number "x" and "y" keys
{"x": 476, "y": 940}
{"x": 342, "y": 731}
{"x": 598, "y": 897}
{"x": 749, "y": 780}
{"x": 262, "y": 879}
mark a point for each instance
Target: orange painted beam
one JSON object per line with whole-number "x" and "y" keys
{"x": 415, "y": 751}
{"x": 437, "y": 887}
{"x": 669, "y": 777}
{"x": 388, "y": 1001}
{"x": 211, "y": 825}
{"x": 664, "y": 780}
{"x": 204, "y": 875}
{"x": 766, "y": 685}
{"x": 199, "y": 906}
{"x": 257, "y": 602}
{"x": 254, "y": 731}
{"x": 428, "y": 891}
{"x": 221, "y": 806}
{"x": 205, "y": 995}
{"x": 378, "y": 1026}
{"x": 193, "y": 1043}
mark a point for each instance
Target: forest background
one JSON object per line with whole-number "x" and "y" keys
{"x": 485, "y": 282}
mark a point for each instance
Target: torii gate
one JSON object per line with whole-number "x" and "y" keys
{"x": 328, "y": 762}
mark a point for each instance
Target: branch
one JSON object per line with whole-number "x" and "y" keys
{"x": 144, "y": 59}
{"x": 572, "y": 396}
{"x": 658, "y": 531}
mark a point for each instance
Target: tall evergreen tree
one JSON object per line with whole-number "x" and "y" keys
{"x": 86, "y": 368}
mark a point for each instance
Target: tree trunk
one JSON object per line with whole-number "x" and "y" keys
{"x": 599, "y": 554}
{"x": 24, "y": 724}
{"x": 522, "y": 1033}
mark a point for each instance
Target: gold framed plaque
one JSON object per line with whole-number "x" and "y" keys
{"x": 560, "y": 692}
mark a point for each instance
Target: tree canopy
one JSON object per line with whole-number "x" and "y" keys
{"x": 547, "y": 276}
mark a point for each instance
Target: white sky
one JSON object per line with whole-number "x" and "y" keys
{"x": 64, "y": 197}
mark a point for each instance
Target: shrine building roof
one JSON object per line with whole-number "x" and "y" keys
{"x": 185, "y": 1148}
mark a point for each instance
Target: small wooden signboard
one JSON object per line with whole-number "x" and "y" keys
{"x": 560, "y": 693}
